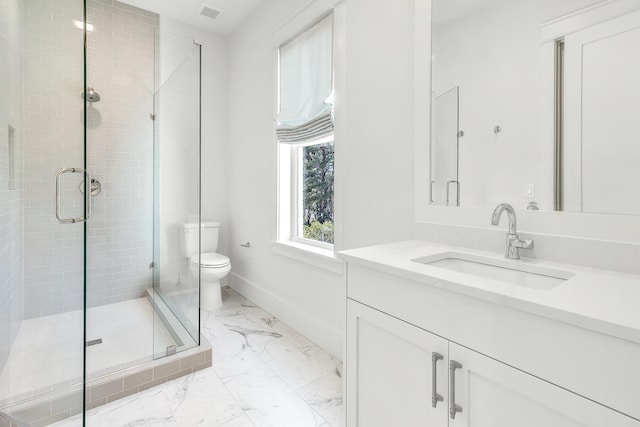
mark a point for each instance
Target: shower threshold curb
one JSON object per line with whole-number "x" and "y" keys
{"x": 60, "y": 405}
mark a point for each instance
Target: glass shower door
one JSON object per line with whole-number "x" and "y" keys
{"x": 120, "y": 315}
{"x": 41, "y": 208}
{"x": 176, "y": 187}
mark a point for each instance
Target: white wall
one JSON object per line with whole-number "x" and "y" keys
{"x": 378, "y": 151}
{"x": 373, "y": 174}
{"x": 11, "y": 194}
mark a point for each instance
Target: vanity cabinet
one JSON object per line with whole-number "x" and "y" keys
{"x": 515, "y": 368}
{"x": 401, "y": 375}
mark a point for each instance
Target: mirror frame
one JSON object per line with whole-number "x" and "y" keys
{"x": 610, "y": 227}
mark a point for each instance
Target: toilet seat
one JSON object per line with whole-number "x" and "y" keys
{"x": 210, "y": 260}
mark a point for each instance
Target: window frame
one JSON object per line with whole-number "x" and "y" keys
{"x": 297, "y": 196}
{"x": 281, "y": 243}
{"x": 290, "y": 226}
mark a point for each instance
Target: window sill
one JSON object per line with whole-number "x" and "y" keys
{"x": 318, "y": 257}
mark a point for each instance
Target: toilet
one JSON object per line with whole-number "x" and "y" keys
{"x": 211, "y": 266}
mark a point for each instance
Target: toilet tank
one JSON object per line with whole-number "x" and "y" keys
{"x": 189, "y": 241}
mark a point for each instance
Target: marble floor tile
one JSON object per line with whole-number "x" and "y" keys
{"x": 241, "y": 421}
{"x": 298, "y": 361}
{"x": 201, "y": 399}
{"x": 269, "y": 401}
{"x": 237, "y": 366}
{"x": 325, "y": 397}
{"x": 227, "y": 346}
{"x": 264, "y": 374}
{"x": 148, "y": 408}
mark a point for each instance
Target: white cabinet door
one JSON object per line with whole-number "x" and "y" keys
{"x": 492, "y": 394}
{"x": 389, "y": 372}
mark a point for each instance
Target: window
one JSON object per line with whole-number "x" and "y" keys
{"x": 304, "y": 128}
{"x": 314, "y": 192}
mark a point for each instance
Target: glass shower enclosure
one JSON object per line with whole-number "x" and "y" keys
{"x": 99, "y": 167}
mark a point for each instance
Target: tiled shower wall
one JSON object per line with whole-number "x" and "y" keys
{"x": 120, "y": 150}
{"x": 11, "y": 187}
{"x": 53, "y": 138}
{"x": 120, "y": 68}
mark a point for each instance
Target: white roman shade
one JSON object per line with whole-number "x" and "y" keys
{"x": 306, "y": 85}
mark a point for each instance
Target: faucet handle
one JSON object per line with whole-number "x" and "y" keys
{"x": 522, "y": 243}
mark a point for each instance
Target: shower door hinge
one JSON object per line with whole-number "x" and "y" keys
{"x": 153, "y": 264}
{"x": 171, "y": 350}
{"x": 152, "y": 116}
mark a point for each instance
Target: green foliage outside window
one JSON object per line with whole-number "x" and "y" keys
{"x": 320, "y": 232}
{"x": 318, "y": 192}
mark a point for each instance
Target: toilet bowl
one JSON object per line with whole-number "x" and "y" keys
{"x": 198, "y": 244}
{"x": 212, "y": 268}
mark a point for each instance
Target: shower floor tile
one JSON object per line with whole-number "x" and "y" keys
{"x": 264, "y": 373}
{"x": 47, "y": 353}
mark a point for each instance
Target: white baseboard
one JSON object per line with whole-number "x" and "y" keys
{"x": 330, "y": 339}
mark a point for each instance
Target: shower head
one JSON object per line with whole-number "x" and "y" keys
{"x": 92, "y": 95}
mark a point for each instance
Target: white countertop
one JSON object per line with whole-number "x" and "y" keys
{"x": 600, "y": 300}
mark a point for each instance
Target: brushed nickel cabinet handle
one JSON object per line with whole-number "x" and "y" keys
{"x": 435, "y": 397}
{"x": 453, "y": 407}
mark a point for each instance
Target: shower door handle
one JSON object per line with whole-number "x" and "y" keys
{"x": 431, "y": 193}
{"x": 59, "y": 216}
{"x": 457, "y": 183}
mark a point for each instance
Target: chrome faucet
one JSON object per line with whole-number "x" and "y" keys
{"x": 513, "y": 242}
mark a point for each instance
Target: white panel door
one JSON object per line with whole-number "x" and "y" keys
{"x": 389, "y": 372}
{"x": 492, "y": 394}
{"x": 602, "y": 110}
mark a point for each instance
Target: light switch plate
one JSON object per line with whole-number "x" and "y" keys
{"x": 529, "y": 190}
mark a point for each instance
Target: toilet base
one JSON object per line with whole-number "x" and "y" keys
{"x": 210, "y": 295}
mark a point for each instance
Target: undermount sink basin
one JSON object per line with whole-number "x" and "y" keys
{"x": 509, "y": 271}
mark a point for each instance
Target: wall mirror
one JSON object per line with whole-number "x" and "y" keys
{"x": 536, "y": 103}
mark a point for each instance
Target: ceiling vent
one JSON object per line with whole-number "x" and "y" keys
{"x": 209, "y": 11}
